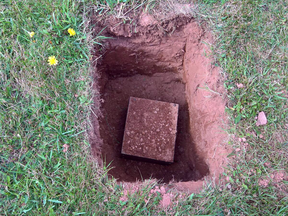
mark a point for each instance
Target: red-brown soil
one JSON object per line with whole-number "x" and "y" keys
{"x": 163, "y": 61}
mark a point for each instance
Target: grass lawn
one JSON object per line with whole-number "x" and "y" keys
{"x": 45, "y": 164}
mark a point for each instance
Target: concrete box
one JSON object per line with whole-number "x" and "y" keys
{"x": 150, "y": 130}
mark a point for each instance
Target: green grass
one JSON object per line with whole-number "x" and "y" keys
{"x": 43, "y": 107}
{"x": 251, "y": 48}
{"x": 40, "y": 112}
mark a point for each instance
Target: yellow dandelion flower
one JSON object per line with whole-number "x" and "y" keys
{"x": 71, "y": 31}
{"x": 31, "y": 34}
{"x": 52, "y": 60}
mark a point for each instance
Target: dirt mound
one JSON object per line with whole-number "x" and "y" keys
{"x": 162, "y": 61}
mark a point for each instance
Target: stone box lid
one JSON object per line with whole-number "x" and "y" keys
{"x": 150, "y": 130}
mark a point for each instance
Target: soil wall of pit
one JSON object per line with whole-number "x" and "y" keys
{"x": 168, "y": 64}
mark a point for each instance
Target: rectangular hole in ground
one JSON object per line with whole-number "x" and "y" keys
{"x": 134, "y": 71}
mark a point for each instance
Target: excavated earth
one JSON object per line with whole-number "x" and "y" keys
{"x": 167, "y": 61}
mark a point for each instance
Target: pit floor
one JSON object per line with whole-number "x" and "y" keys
{"x": 159, "y": 86}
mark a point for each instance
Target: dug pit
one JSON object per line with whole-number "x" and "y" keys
{"x": 163, "y": 61}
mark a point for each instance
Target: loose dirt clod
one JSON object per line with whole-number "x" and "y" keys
{"x": 162, "y": 61}
{"x": 261, "y": 119}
